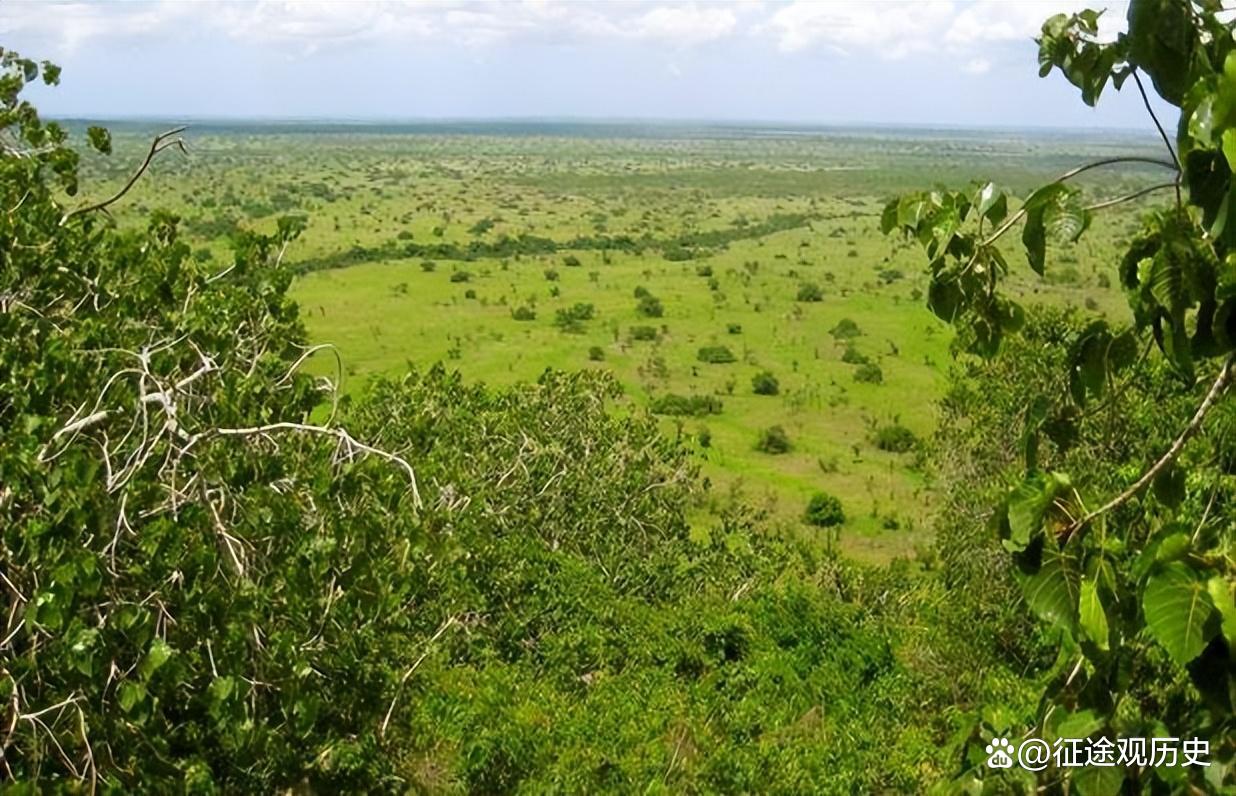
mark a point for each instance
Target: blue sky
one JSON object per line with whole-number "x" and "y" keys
{"x": 826, "y": 61}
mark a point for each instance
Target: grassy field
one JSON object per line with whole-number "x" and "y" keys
{"x": 479, "y": 246}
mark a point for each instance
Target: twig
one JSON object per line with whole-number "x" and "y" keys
{"x": 428, "y": 648}
{"x": 1162, "y": 134}
{"x": 1070, "y": 174}
{"x": 161, "y": 142}
{"x": 345, "y": 439}
{"x": 1135, "y": 195}
{"x": 1216, "y": 390}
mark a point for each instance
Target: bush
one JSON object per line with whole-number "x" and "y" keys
{"x": 571, "y": 261}
{"x": 685, "y": 405}
{"x": 869, "y": 373}
{"x": 733, "y": 328}
{"x": 809, "y": 291}
{"x": 716, "y": 355}
{"x": 765, "y": 383}
{"x": 643, "y": 333}
{"x": 845, "y": 329}
{"x": 650, "y": 307}
{"x": 895, "y": 438}
{"x": 641, "y": 292}
{"x": 703, "y": 270}
{"x": 523, "y": 313}
{"x": 551, "y": 275}
{"x": 461, "y": 276}
{"x": 852, "y": 356}
{"x": 571, "y": 319}
{"x": 824, "y": 511}
{"x": 773, "y": 440}
{"x": 428, "y": 266}
{"x": 596, "y": 353}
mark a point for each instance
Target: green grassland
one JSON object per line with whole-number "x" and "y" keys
{"x": 424, "y": 241}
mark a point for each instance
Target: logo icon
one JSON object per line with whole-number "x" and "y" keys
{"x": 999, "y": 753}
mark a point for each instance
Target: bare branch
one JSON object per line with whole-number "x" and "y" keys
{"x": 161, "y": 142}
{"x": 1130, "y": 197}
{"x": 350, "y": 444}
{"x": 428, "y": 648}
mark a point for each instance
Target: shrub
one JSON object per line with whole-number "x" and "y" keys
{"x": 773, "y": 440}
{"x": 809, "y": 291}
{"x": 469, "y": 293}
{"x": 716, "y": 355}
{"x": 641, "y": 292}
{"x": 571, "y": 319}
{"x": 852, "y": 356}
{"x": 703, "y": 270}
{"x": 551, "y": 275}
{"x": 824, "y": 511}
{"x": 733, "y": 328}
{"x": 765, "y": 383}
{"x": 461, "y": 276}
{"x": 895, "y": 438}
{"x": 643, "y": 333}
{"x": 428, "y": 266}
{"x": 869, "y": 373}
{"x": 650, "y": 307}
{"x": 596, "y": 353}
{"x": 571, "y": 261}
{"x": 686, "y": 405}
{"x": 845, "y": 329}
{"x": 523, "y": 313}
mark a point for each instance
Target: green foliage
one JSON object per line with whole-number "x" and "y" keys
{"x": 644, "y": 333}
{"x": 809, "y": 291}
{"x": 765, "y": 383}
{"x": 869, "y": 373}
{"x": 824, "y": 511}
{"x": 716, "y": 355}
{"x": 523, "y": 313}
{"x": 1116, "y": 563}
{"x": 685, "y": 405}
{"x": 650, "y": 306}
{"x": 845, "y": 329}
{"x": 572, "y": 319}
{"x": 773, "y": 440}
{"x": 895, "y": 438}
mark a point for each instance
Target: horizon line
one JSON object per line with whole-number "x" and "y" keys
{"x": 763, "y": 124}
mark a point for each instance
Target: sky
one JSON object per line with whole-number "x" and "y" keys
{"x": 906, "y": 62}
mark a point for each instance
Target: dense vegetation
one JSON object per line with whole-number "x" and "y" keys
{"x": 221, "y": 574}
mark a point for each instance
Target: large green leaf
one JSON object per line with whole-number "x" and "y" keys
{"x": 1091, "y": 616}
{"x": 1052, "y": 591}
{"x": 1029, "y": 502}
{"x": 1177, "y": 610}
{"x": 1098, "y": 780}
{"x": 1220, "y": 591}
{"x": 1162, "y": 38}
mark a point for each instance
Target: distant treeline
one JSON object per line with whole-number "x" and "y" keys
{"x": 686, "y": 246}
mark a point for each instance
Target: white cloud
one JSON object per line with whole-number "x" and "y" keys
{"x": 309, "y": 25}
{"x": 985, "y": 21}
{"x": 685, "y": 26}
{"x": 977, "y": 66}
{"x": 887, "y": 29}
